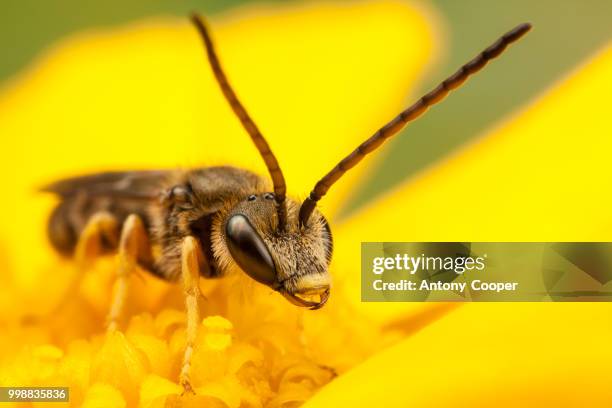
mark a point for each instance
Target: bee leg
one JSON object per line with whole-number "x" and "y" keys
{"x": 191, "y": 255}
{"x": 134, "y": 249}
{"x": 101, "y": 230}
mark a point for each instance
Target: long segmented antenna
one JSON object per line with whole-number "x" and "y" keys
{"x": 278, "y": 179}
{"x": 410, "y": 114}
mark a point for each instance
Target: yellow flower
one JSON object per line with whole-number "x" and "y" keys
{"x": 543, "y": 175}
{"x": 144, "y": 97}
{"x": 318, "y": 79}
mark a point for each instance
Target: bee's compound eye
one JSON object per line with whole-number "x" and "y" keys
{"x": 252, "y": 197}
{"x": 249, "y": 251}
{"x": 269, "y": 196}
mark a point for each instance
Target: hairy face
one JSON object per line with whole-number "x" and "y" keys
{"x": 293, "y": 261}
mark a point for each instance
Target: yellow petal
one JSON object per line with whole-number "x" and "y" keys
{"x": 193, "y": 401}
{"x": 101, "y": 395}
{"x": 74, "y": 370}
{"x": 216, "y": 333}
{"x": 217, "y": 324}
{"x": 156, "y": 351}
{"x": 47, "y": 352}
{"x": 167, "y": 319}
{"x": 544, "y": 175}
{"x": 155, "y": 390}
{"x": 291, "y": 396}
{"x": 502, "y": 355}
{"x": 120, "y": 364}
{"x": 227, "y": 390}
{"x": 317, "y": 79}
{"x": 241, "y": 355}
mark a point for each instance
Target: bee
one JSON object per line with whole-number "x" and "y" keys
{"x": 210, "y": 221}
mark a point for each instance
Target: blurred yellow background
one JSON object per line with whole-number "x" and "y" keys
{"x": 566, "y": 33}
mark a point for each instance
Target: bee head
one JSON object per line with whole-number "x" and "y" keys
{"x": 265, "y": 236}
{"x": 291, "y": 259}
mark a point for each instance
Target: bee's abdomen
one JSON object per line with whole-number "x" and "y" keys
{"x": 61, "y": 232}
{"x": 72, "y": 214}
